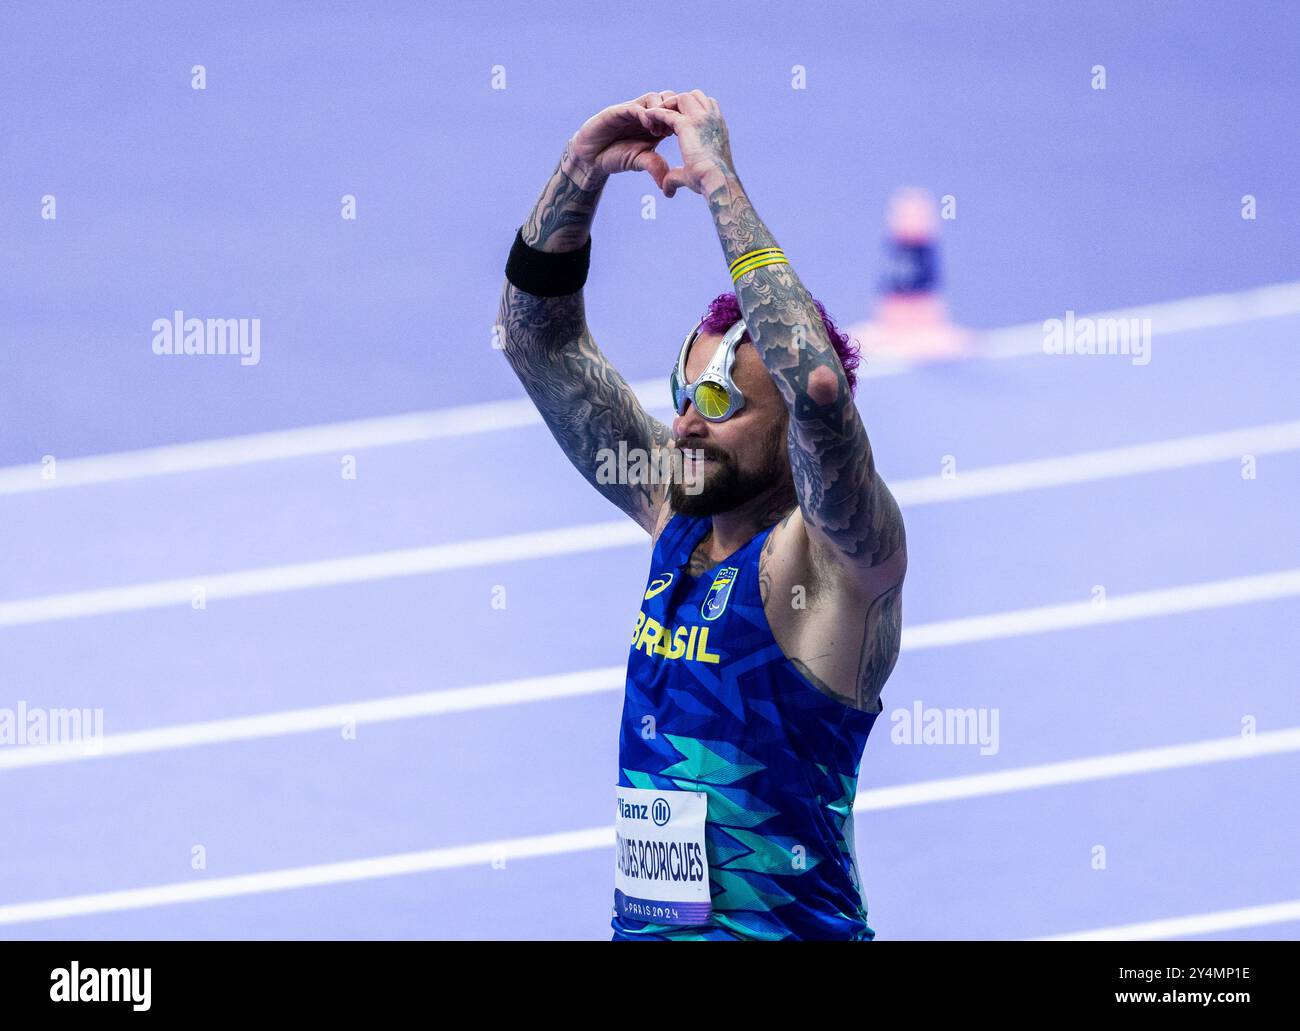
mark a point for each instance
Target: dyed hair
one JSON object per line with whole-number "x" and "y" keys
{"x": 724, "y": 312}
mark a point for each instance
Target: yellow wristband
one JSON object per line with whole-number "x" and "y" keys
{"x": 757, "y": 259}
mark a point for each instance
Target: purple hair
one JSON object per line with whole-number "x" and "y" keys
{"x": 724, "y": 312}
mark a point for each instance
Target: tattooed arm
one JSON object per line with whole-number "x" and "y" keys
{"x": 587, "y": 405}
{"x": 850, "y": 514}
{"x": 847, "y": 519}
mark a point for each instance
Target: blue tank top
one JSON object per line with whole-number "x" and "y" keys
{"x": 713, "y": 705}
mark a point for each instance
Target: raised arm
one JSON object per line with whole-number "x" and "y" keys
{"x": 845, "y": 540}
{"x": 851, "y": 517}
{"x": 587, "y": 405}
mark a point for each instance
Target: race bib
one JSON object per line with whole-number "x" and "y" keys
{"x": 661, "y": 873}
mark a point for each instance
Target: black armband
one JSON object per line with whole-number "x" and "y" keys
{"x": 546, "y": 274}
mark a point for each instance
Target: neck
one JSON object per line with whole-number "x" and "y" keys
{"x": 735, "y": 528}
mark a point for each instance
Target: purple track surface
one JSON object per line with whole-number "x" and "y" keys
{"x": 225, "y": 202}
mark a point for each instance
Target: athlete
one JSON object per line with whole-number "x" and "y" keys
{"x": 771, "y": 615}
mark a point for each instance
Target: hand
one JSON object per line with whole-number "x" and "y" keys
{"x": 617, "y": 140}
{"x": 696, "y": 121}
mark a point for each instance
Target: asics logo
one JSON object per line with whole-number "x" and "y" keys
{"x": 658, "y": 585}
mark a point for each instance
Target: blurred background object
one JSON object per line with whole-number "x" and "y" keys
{"x": 911, "y": 320}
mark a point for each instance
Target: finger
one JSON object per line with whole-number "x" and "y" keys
{"x": 655, "y": 127}
{"x": 626, "y": 117}
{"x": 661, "y": 117}
{"x": 654, "y": 163}
{"x": 674, "y": 180}
{"x": 633, "y": 108}
{"x": 655, "y": 98}
{"x": 693, "y": 102}
{"x": 651, "y": 127}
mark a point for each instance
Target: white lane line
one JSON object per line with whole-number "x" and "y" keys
{"x": 1019, "y": 622}
{"x": 1104, "y": 464}
{"x": 382, "y": 565}
{"x": 1193, "y": 754}
{"x": 1078, "y": 771}
{"x": 323, "y": 717}
{"x": 1213, "y": 594}
{"x": 309, "y": 876}
{"x": 1186, "y": 926}
{"x": 1088, "y": 466}
{"x": 1188, "y": 313}
{"x": 218, "y": 453}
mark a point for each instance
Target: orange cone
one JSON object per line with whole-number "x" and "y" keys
{"x": 911, "y": 321}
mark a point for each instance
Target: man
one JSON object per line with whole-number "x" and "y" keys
{"x": 771, "y": 617}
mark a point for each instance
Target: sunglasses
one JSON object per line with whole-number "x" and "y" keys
{"x": 714, "y": 393}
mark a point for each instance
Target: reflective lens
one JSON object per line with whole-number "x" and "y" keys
{"x": 712, "y": 400}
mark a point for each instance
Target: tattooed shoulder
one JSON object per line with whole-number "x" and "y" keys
{"x": 881, "y": 641}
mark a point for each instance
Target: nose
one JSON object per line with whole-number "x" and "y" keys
{"x": 689, "y": 424}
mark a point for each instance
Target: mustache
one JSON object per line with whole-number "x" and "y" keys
{"x": 708, "y": 450}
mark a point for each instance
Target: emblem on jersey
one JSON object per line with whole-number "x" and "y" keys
{"x": 658, "y": 585}
{"x": 715, "y": 602}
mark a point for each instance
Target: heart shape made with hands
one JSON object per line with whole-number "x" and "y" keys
{"x": 624, "y": 137}
{"x": 696, "y": 120}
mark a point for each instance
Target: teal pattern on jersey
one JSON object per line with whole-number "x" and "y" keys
{"x": 713, "y": 705}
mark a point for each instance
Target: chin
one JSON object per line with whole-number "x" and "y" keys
{"x": 723, "y": 491}
{"x": 701, "y": 504}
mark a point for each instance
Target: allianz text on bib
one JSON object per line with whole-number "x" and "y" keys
{"x": 661, "y": 873}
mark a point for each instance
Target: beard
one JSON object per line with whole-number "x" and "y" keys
{"x": 725, "y": 486}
